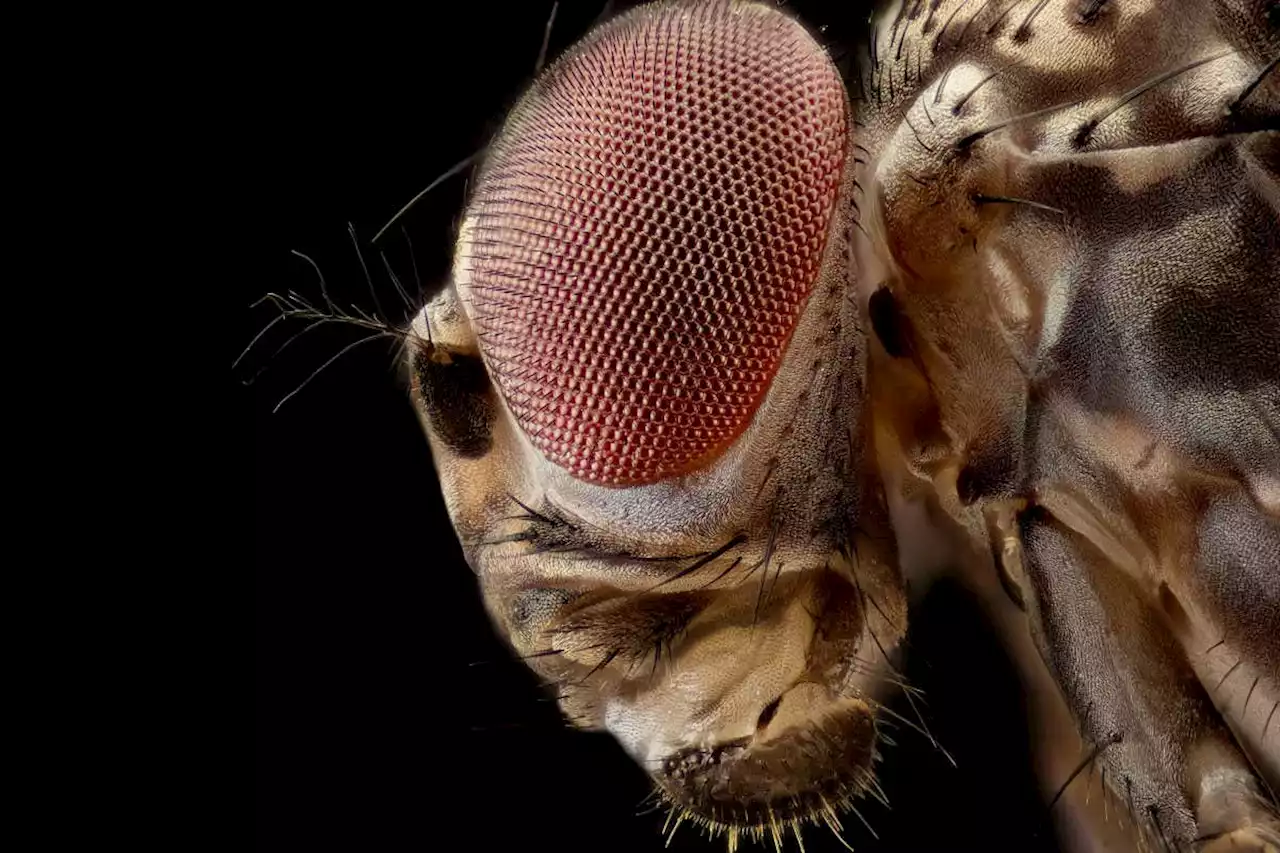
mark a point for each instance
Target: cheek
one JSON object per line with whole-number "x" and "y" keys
{"x": 728, "y": 669}
{"x": 642, "y": 242}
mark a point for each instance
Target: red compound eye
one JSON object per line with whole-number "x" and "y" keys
{"x": 647, "y": 231}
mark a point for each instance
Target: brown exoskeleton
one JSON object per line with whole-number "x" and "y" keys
{"x": 733, "y": 346}
{"x": 1074, "y": 267}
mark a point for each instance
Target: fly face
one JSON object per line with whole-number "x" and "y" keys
{"x": 643, "y": 388}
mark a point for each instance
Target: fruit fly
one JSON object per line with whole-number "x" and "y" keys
{"x": 742, "y": 340}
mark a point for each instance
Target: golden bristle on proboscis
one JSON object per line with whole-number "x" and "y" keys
{"x": 770, "y": 826}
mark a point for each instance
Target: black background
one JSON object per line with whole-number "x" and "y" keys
{"x": 389, "y": 717}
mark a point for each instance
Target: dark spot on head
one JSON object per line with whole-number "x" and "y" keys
{"x": 890, "y": 323}
{"x": 1083, "y": 134}
{"x": 767, "y": 715}
{"x": 457, "y": 400}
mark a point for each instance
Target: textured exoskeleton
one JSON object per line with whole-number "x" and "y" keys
{"x": 1017, "y": 317}
{"x": 1074, "y": 265}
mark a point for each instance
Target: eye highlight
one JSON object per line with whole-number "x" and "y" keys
{"x": 647, "y": 232}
